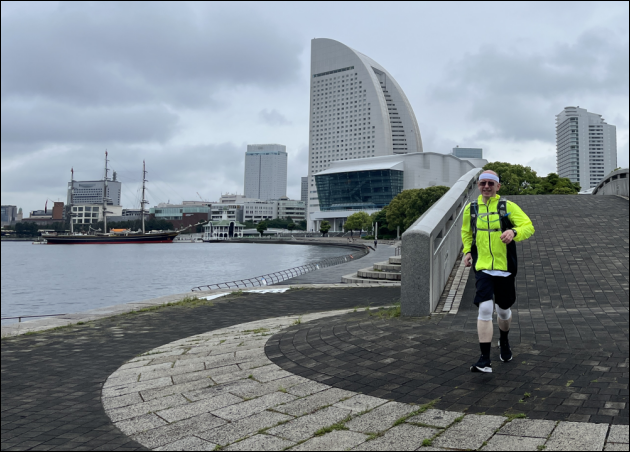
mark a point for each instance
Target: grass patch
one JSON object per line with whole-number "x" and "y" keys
{"x": 388, "y": 313}
{"x": 283, "y": 390}
{"x": 420, "y": 410}
{"x": 569, "y": 383}
{"x": 298, "y": 321}
{"x": 459, "y": 419}
{"x": 331, "y": 428}
{"x": 512, "y": 416}
{"x": 541, "y": 447}
{"x": 237, "y": 293}
{"x": 427, "y": 442}
{"x": 526, "y": 396}
{"x": 256, "y": 331}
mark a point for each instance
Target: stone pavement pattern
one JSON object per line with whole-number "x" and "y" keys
{"x": 52, "y": 381}
{"x": 218, "y": 390}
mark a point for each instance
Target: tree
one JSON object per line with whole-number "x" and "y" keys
{"x": 515, "y": 179}
{"x": 556, "y": 185}
{"x": 380, "y": 217}
{"x": 261, "y": 227}
{"x": 324, "y": 227}
{"x": 291, "y": 226}
{"x": 358, "y": 220}
{"x": 409, "y": 205}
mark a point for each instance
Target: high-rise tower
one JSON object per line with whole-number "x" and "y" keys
{"x": 266, "y": 171}
{"x": 358, "y": 111}
{"x": 586, "y": 146}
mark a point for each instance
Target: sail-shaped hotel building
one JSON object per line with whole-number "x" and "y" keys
{"x": 365, "y": 145}
{"x": 358, "y": 111}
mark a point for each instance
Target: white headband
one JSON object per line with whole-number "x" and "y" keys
{"x": 489, "y": 176}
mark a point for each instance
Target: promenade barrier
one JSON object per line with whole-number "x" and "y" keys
{"x": 616, "y": 183}
{"x": 431, "y": 245}
{"x": 277, "y": 277}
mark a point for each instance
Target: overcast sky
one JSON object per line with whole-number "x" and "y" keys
{"x": 186, "y": 86}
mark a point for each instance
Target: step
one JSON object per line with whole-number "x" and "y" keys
{"x": 387, "y": 267}
{"x": 354, "y": 279}
{"x": 395, "y": 260}
{"x": 373, "y": 274}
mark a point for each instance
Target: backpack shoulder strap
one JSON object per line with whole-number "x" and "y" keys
{"x": 474, "y": 213}
{"x": 506, "y": 223}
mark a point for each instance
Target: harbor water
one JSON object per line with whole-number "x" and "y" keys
{"x": 63, "y": 279}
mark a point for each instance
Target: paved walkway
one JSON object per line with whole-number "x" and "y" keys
{"x": 333, "y": 275}
{"x": 51, "y": 381}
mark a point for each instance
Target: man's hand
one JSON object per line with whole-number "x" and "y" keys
{"x": 507, "y": 236}
{"x": 468, "y": 260}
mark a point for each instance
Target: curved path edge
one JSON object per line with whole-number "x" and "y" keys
{"x": 218, "y": 390}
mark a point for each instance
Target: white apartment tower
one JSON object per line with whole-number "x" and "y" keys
{"x": 358, "y": 111}
{"x": 586, "y": 147}
{"x": 266, "y": 171}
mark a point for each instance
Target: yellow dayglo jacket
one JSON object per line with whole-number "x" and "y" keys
{"x": 492, "y": 253}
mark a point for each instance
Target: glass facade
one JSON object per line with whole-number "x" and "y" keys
{"x": 358, "y": 190}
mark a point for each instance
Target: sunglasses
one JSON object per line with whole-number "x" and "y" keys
{"x": 482, "y": 183}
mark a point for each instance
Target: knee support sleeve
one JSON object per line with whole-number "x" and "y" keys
{"x": 485, "y": 310}
{"x": 504, "y": 314}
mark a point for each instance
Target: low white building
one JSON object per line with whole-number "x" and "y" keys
{"x": 93, "y": 213}
{"x": 351, "y": 186}
{"x": 223, "y": 229}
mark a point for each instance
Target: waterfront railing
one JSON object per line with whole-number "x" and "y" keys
{"x": 283, "y": 275}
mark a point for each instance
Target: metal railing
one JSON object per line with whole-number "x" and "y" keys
{"x": 29, "y": 317}
{"x": 397, "y": 250}
{"x": 277, "y": 277}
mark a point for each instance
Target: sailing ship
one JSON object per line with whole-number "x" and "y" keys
{"x": 115, "y": 236}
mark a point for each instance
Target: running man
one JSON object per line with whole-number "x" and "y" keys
{"x": 490, "y": 227}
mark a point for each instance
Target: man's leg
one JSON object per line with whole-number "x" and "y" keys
{"x": 505, "y": 320}
{"x": 484, "y": 331}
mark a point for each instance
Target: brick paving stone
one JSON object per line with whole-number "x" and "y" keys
{"x": 334, "y": 441}
{"x": 470, "y": 433}
{"x": 577, "y": 436}
{"x": 619, "y": 434}
{"x": 261, "y": 442}
{"x": 503, "y": 442}
{"x": 380, "y": 418}
{"x": 189, "y": 443}
{"x": 401, "y": 437}
{"x": 435, "y": 418}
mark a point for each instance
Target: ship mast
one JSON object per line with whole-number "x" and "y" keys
{"x": 143, "y": 201}
{"x": 105, "y": 197}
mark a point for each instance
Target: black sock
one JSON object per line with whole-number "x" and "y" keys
{"x": 485, "y": 349}
{"x": 504, "y": 336}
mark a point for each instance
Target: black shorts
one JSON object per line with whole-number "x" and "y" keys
{"x": 501, "y": 287}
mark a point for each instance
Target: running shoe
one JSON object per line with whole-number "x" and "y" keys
{"x": 505, "y": 353}
{"x": 483, "y": 365}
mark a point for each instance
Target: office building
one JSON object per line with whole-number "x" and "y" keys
{"x": 467, "y": 153}
{"x": 287, "y": 208}
{"x": 369, "y": 185}
{"x": 586, "y": 146}
{"x": 304, "y": 190}
{"x": 357, "y": 112}
{"x": 266, "y": 171}
{"x": 8, "y": 215}
{"x": 91, "y": 192}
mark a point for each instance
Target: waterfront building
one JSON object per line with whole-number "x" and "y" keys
{"x": 222, "y": 229}
{"x": 266, "y": 171}
{"x": 369, "y": 185}
{"x": 229, "y": 198}
{"x": 8, "y": 215}
{"x": 91, "y": 192}
{"x": 182, "y": 215}
{"x": 357, "y": 112}
{"x": 259, "y": 210}
{"x": 287, "y": 208}
{"x": 586, "y": 146}
{"x": 304, "y": 190}
{"x": 467, "y": 153}
{"x": 93, "y": 213}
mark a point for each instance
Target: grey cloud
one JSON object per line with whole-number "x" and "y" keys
{"x": 273, "y": 118}
{"x": 515, "y": 95}
{"x": 47, "y": 122}
{"x": 122, "y": 53}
